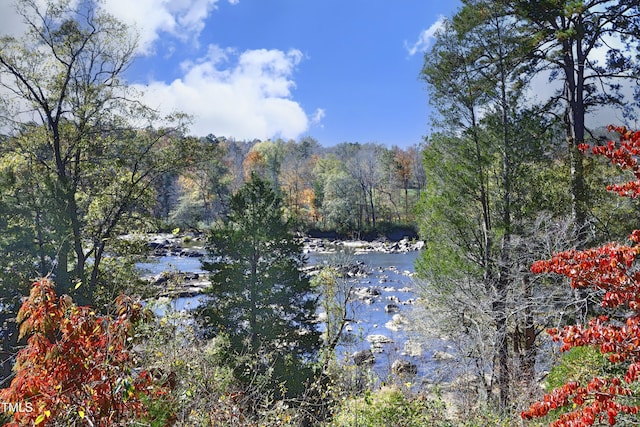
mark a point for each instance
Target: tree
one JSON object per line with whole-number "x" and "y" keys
{"x": 299, "y": 160}
{"x": 482, "y": 160}
{"x": 459, "y": 195}
{"x": 589, "y": 46}
{"x": 205, "y": 190}
{"x": 362, "y": 165}
{"x": 403, "y": 160}
{"x": 611, "y": 269}
{"x": 80, "y": 140}
{"x": 265, "y": 158}
{"x": 335, "y": 293}
{"x": 77, "y": 366}
{"x": 337, "y": 195}
{"x": 258, "y": 295}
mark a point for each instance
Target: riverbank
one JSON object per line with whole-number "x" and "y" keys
{"x": 320, "y": 245}
{"x": 190, "y": 245}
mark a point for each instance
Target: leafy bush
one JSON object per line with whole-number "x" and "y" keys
{"x": 611, "y": 269}
{"x": 390, "y": 407}
{"x": 77, "y": 366}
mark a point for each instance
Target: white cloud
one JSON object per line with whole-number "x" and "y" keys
{"x": 10, "y": 22}
{"x": 183, "y": 19}
{"x": 425, "y": 38}
{"x": 11, "y": 19}
{"x": 318, "y": 116}
{"x": 246, "y": 95}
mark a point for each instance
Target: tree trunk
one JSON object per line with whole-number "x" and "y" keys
{"x": 504, "y": 280}
{"x": 575, "y": 130}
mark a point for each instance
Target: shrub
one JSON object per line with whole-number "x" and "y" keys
{"x": 77, "y": 366}
{"x": 390, "y": 407}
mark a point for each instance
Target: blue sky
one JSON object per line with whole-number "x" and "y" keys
{"x": 334, "y": 70}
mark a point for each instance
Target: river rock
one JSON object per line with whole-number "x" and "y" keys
{"x": 378, "y": 339}
{"x": 413, "y": 348}
{"x": 164, "y": 244}
{"x": 364, "y": 357}
{"x": 391, "y": 308}
{"x": 191, "y": 253}
{"x": 366, "y": 292}
{"x": 383, "y": 245}
{"x": 396, "y": 322}
{"x": 443, "y": 356}
{"x": 377, "y": 348}
{"x": 404, "y": 367}
{"x": 173, "y": 278}
{"x": 179, "y": 284}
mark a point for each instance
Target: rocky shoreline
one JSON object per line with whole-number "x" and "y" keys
{"x": 319, "y": 245}
{"x": 193, "y": 246}
{"x": 189, "y": 284}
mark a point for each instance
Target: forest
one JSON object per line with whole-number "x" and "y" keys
{"x": 525, "y": 202}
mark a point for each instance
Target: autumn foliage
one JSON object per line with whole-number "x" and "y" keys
{"x": 613, "y": 270}
{"x": 76, "y": 366}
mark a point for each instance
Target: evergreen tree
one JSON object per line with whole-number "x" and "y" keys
{"x": 258, "y": 296}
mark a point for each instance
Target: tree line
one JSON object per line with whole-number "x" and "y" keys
{"x": 350, "y": 188}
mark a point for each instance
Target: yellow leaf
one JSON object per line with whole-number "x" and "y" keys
{"x": 81, "y": 413}
{"x": 175, "y": 231}
{"x": 40, "y": 419}
{"x": 47, "y": 413}
{"x": 78, "y": 284}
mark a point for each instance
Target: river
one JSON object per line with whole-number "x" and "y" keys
{"x": 384, "y": 309}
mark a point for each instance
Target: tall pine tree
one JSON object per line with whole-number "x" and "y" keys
{"x": 258, "y": 295}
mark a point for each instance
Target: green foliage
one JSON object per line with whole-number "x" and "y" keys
{"x": 579, "y": 364}
{"x": 203, "y": 188}
{"x": 486, "y": 417}
{"x": 390, "y": 407}
{"x": 204, "y": 388}
{"x": 449, "y": 210}
{"x": 258, "y": 295}
{"x": 485, "y": 167}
